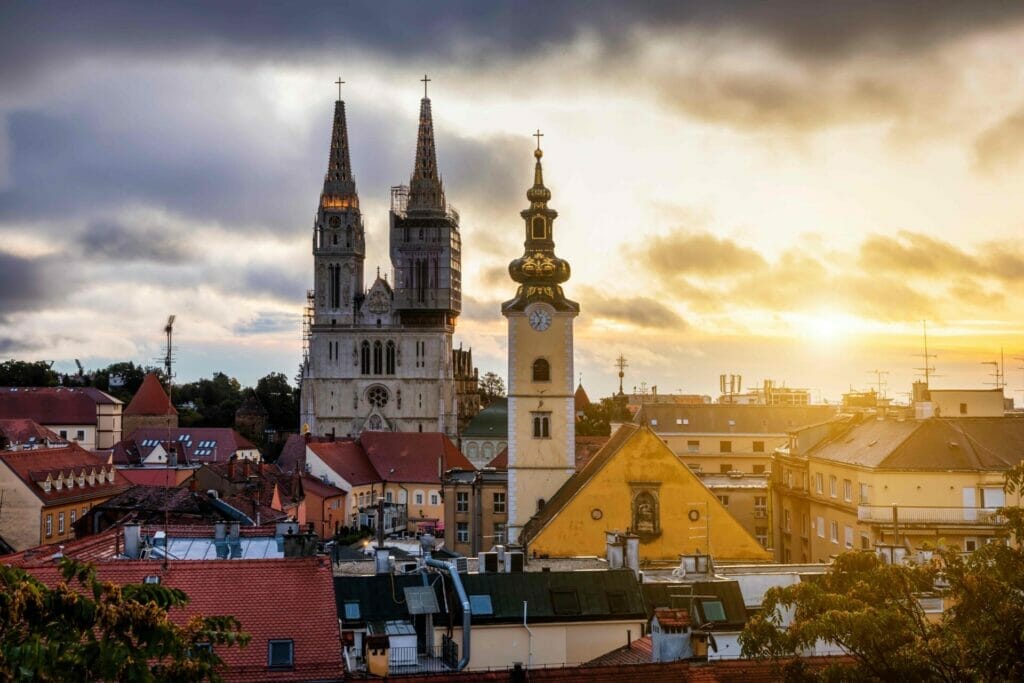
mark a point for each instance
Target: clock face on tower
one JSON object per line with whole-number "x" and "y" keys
{"x": 540, "y": 318}
{"x": 335, "y": 221}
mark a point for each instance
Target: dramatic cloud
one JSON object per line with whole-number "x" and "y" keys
{"x": 638, "y": 311}
{"x": 117, "y": 242}
{"x": 913, "y": 252}
{"x": 30, "y": 283}
{"x": 1002, "y": 145}
{"x": 684, "y": 252}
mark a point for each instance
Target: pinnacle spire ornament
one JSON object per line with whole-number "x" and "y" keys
{"x": 426, "y": 191}
{"x": 339, "y": 185}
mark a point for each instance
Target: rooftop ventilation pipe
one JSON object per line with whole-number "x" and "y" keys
{"x": 467, "y": 612}
{"x": 132, "y": 539}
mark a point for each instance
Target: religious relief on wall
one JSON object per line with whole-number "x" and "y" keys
{"x": 646, "y": 508}
{"x": 378, "y": 302}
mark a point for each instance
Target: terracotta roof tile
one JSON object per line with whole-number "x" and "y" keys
{"x": 150, "y": 399}
{"x": 346, "y": 458}
{"x": 500, "y": 461}
{"x": 273, "y": 599}
{"x": 21, "y": 430}
{"x": 53, "y": 405}
{"x": 412, "y": 456}
{"x": 194, "y": 444}
{"x": 36, "y": 466}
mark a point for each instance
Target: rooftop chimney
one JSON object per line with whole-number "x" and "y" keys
{"x": 132, "y": 540}
{"x": 614, "y": 549}
{"x": 633, "y": 553}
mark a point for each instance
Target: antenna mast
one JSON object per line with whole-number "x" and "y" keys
{"x": 928, "y": 369}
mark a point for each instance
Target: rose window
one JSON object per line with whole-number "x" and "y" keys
{"x": 377, "y": 396}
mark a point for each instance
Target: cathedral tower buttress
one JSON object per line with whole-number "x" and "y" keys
{"x": 541, "y": 412}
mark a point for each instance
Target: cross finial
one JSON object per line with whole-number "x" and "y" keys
{"x": 339, "y": 83}
{"x": 424, "y": 81}
{"x": 538, "y": 135}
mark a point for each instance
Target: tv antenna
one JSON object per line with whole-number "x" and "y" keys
{"x": 928, "y": 369}
{"x": 998, "y": 371}
{"x": 169, "y": 356}
{"x": 880, "y": 383}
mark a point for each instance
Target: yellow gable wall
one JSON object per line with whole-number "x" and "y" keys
{"x": 643, "y": 460}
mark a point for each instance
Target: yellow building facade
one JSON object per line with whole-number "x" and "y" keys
{"x": 636, "y": 483}
{"x": 867, "y": 482}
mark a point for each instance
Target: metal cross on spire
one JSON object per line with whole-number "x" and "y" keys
{"x": 339, "y": 83}
{"x": 538, "y": 135}
{"x": 424, "y": 81}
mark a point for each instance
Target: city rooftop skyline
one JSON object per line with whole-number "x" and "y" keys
{"x": 741, "y": 189}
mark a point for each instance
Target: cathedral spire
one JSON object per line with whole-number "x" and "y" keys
{"x": 339, "y": 185}
{"x": 425, "y": 189}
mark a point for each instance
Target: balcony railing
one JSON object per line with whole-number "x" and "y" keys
{"x": 417, "y": 660}
{"x": 883, "y": 514}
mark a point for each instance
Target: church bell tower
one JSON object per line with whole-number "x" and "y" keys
{"x": 541, "y": 411}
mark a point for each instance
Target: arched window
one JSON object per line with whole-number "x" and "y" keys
{"x": 378, "y": 358}
{"x": 348, "y": 236}
{"x": 389, "y": 358}
{"x": 541, "y": 370}
{"x": 538, "y": 228}
{"x": 365, "y": 357}
{"x": 335, "y": 238}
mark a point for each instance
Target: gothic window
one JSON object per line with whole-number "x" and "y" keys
{"x": 365, "y": 356}
{"x": 541, "y": 370}
{"x": 335, "y": 238}
{"x": 378, "y": 358}
{"x": 541, "y": 425}
{"x": 335, "y": 285}
{"x": 375, "y": 424}
{"x": 355, "y": 400}
{"x": 389, "y": 358}
{"x": 377, "y": 396}
{"x": 348, "y": 236}
{"x": 398, "y": 398}
{"x": 537, "y": 227}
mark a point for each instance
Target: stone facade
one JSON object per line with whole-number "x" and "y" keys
{"x": 381, "y": 359}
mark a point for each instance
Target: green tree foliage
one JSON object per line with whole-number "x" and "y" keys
{"x": 215, "y": 399}
{"x": 281, "y": 401}
{"x": 491, "y": 387}
{"x": 128, "y": 376}
{"x": 597, "y": 417}
{"x": 871, "y": 610}
{"x": 20, "y": 373}
{"x": 89, "y": 630}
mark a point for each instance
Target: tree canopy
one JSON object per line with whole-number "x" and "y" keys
{"x": 491, "y": 387}
{"x": 88, "y": 630}
{"x": 20, "y": 373}
{"x": 872, "y": 611}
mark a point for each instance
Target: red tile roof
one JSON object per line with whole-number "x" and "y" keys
{"x": 500, "y": 461}
{"x": 156, "y": 476}
{"x": 348, "y": 460}
{"x": 20, "y": 430}
{"x": 291, "y": 599}
{"x": 36, "y": 466}
{"x": 582, "y": 401}
{"x": 150, "y": 399}
{"x": 53, "y": 405}
{"x": 320, "y": 488}
{"x": 637, "y": 652}
{"x": 672, "y": 618}
{"x": 412, "y": 456}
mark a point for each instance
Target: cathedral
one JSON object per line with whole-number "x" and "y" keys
{"x": 381, "y": 358}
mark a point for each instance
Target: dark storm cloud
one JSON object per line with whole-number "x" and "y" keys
{"x": 74, "y": 162}
{"x": 52, "y": 32}
{"x": 115, "y": 241}
{"x": 12, "y": 345}
{"x": 30, "y": 283}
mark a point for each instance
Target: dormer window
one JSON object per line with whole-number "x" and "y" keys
{"x": 46, "y": 484}
{"x": 58, "y": 483}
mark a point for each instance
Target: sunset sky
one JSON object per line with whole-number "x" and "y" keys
{"x": 780, "y": 190}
